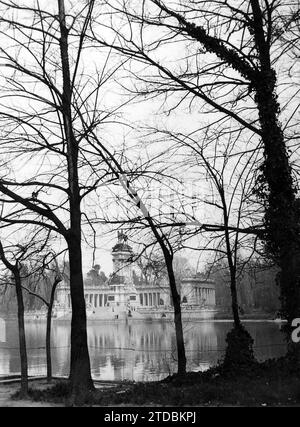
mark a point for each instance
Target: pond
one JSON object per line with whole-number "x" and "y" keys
{"x": 137, "y": 350}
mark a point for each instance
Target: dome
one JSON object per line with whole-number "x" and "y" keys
{"x": 122, "y": 247}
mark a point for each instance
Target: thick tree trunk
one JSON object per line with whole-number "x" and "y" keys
{"x": 181, "y": 357}
{"x": 22, "y": 336}
{"x": 282, "y": 213}
{"x": 282, "y": 218}
{"x": 80, "y": 370}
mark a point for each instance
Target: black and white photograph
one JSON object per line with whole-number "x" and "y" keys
{"x": 149, "y": 206}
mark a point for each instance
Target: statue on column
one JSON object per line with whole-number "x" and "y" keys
{"x": 122, "y": 237}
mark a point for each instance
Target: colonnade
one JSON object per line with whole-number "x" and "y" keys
{"x": 95, "y": 300}
{"x": 205, "y": 294}
{"x": 149, "y": 299}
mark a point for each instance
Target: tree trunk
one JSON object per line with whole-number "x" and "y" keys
{"x": 48, "y": 332}
{"x": 234, "y": 301}
{"x": 181, "y": 363}
{"x": 80, "y": 372}
{"x": 232, "y": 267}
{"x": 48, "y": 343}
{"x": 282, "y": 213}
{"x": 22, "y": 336}
{"x": 282, "y": 219}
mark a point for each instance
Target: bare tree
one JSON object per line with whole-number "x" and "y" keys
{"x": 48, "y": 272}
{"x": 227, "y": 176}
{"x": 229, "y": 54}
{"x": 48, "y": 85}
{"x": 15, "y": 267}
{"x": 231, "y": 176}
{"x": 35, "y": 273}
{"x": 161, "y": 238}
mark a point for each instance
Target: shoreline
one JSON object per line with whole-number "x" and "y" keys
{"x": 216, "y": 319}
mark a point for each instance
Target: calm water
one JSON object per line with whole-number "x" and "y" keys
{"x": 137, "y": 350}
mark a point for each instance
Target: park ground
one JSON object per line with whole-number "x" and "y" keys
{"x": 269, "y": 384}
{"x": 10, "y": 386}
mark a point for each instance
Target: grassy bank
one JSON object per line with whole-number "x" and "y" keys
{"x": 272, "y": 383}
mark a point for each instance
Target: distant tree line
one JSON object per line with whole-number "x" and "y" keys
{"x": 257, "y": 288}
{"x": 35, "y": 283}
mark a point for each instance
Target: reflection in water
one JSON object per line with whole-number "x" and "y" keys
{"x": 2, "y": 331}
{"x": 142, "y": 351}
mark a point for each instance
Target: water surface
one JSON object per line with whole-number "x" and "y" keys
{"x": 135, "y": 351}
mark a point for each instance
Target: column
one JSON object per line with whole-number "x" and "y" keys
{"x": 214, "y": 297}
{"x": 150, "y": 299}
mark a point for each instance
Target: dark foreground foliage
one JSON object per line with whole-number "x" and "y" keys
{"x": 239, "y": 355}
{"x": 272, "y": 383}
